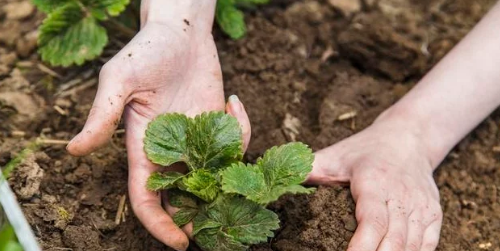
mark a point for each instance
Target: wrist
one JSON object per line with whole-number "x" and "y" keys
{"x": 185, "y": 14}
{"x": 424, "y": 135}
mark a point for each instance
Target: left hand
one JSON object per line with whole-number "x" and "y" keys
{"x": 390, "y": 175}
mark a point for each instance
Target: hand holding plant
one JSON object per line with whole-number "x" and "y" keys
{"x": 163, "y": 69}
{"x": 223, "y": 197}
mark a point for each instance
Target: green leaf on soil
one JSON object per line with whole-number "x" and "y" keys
{"x": 244, "y": 221}
{"x": 280, "y": 171}
{"x": 230, "y": 19}
{"x": 161, "y": 181}
{"x": 68, "y": 36}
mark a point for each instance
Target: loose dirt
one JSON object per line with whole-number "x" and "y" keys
{"x": 312, "y": 71}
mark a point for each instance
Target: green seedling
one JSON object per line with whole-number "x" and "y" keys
{"x": 230, "y": 19}
{"x": 73, "y": 33}
{"x": 223, "y": 197}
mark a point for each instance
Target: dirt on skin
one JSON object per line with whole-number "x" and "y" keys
{"x": 303, "y": 68}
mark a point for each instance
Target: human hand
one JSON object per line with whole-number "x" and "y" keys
{"x": 390, "y": 175}
{"x": 169, "y": 66}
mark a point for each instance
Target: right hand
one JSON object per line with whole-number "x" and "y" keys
{"x": 389, "y": 169}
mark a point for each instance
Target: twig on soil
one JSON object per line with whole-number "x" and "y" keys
{"x": 68, "y": 85}
{"x": 49, "y": 71}
{"x": 51, "y": 141}
{"x": 24, "y": 64}
{"x": 347, "y": 115}
{"x": 85, "y": 85}
{"x": 353, "y": 124}
{"x": 16, "y": 133}
{"x": 60, "y": 110}
{"x": 97, "y": 229}
{"x": 126, "y": 31}
{"x": 119, "y": 213}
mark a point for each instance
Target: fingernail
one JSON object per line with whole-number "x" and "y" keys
{"x": 235, "y": 104}
{"x": 70, "y": 142}
{"x": 234, "y": 99}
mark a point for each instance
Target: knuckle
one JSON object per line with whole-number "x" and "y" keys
{"x": 413, "y": 246}
{"x": 379, "y": 225}
{"x": 397, "y": 243}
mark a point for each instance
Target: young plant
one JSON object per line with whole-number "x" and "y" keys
{"x": 230, "y": 19}
{"x": 224, "y": 197}
{"x": 72, "y": 32}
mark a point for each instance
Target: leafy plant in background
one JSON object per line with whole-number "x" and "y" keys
{"x": 224, "y": 197}
{"x": 72, "y": 33}
{"x": 230, "y": 19}
{"x": 8, "y": 240}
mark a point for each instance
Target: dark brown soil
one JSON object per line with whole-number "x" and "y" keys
{"x": 302, "y": 65}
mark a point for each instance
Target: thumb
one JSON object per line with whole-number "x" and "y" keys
{"x": 329, "y": 168}
{"x": 104, "y": 116}
{"x": 236, "y": 109}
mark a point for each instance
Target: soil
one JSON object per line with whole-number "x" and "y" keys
{"x": 302, "y": 65}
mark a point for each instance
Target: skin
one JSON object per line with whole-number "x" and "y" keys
{"x": 172, "y": 66}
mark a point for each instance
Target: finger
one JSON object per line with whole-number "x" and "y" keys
{"x": 395, "y": 239}
{"x": 431, "y": 236}
{"x": 416, "y": 230}
{"x": 328, "y": 169}
{"x": 104, "y": 115}
{"x": 236, "y": 109}
{"x": 188, "y": 228}
{"x": 372, "y": 216}
{"x": 147, "y": 205}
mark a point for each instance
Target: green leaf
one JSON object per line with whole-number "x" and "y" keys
{"x": 230, "y": 19}
{"x": 184, "y": 216}
{"x": 8, "y": 241}
{"x": 68, "y": 36}
{"x": 48, "y": 6}
{"x": 244, "y": 220}
{"x": 210, "y": 140}
{"x": 160, "y": 181}
{"x": 165, "y": 142}
{"x": 215, "y": 240}
{"x": 187, "y": 204}
{"x": 280, "y": 171}
{"x": 247, "y": 180}
{"x": 214, "y": 141}
{"x": 113, "y": 7}
{"x": 286, "y": 165}
{"x": 181, "y": 199}
{"x": 202, "y": 221}
{"x": 202, "y": 184}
